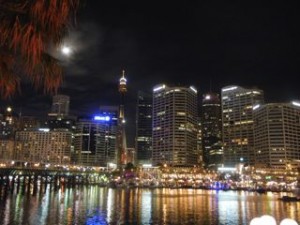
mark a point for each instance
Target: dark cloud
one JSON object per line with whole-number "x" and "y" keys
{"x": 206, "y": 44}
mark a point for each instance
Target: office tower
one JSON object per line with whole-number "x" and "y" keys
{"x": 60, "y": 106}
{"x": 143, "y": 138}
{"x": 110, "y": 137}
{"x": 211, "y": 121}
{"x": 174, "y": 126}
{"x": 237, "y": 119}
{"x": 277, "y": 134}
{"x": 121, "y": 143}
{"x": 95, "y": 138}
{"x": 44, "y": 146}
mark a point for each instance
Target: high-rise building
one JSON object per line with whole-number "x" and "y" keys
{"x": 211, "y": 121}
{"x": 277, "y": 134}
{"x": 174, "y": 134}
{"x": 143, "y": 138}
{"x": 44, "y": 146}
{"x": 121, "y": 142}
{"x": 60, "y": 106}
{"x": 95, "y": 138}
{"x": 237, "y": 119}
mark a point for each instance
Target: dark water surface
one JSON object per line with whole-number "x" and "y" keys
{"x": 100, "y": 205}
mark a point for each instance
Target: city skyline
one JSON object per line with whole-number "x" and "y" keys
{"x": 206, "y": 45}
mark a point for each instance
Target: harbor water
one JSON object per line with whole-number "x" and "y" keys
{"x": 92, "y": 205}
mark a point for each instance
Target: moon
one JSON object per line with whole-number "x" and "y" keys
{"x": 66, "y": 50}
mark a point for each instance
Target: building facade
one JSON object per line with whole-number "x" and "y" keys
{"x": 95, "y": 140}
{"x": 277, "y": 134}
{"x": 121, "y": 139}
{"x": 174, "y": 126}
{"x": 143, "y": 141}
{"x": 211, "y": 124}
{"x": 237, "y": 119}
{"x": 43, "y": 146}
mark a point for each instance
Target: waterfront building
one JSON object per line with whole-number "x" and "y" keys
{"x": 95, "y": 139}
{"x": 60, "y": 106}
{"x": 6, "y": 150}
{"x": 43, "y": 145}
{"x": 277, "y": 134}
{"x": 175, "y": 126}
{"x": 237, "y": 119}
{"x": 121, "y": 142}
{"x": 211, "y": 123}
{"x": 143, "y": 138}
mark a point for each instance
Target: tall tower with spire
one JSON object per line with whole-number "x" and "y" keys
{"x": 121, "y": 135}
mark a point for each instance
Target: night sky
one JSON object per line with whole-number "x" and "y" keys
{"x": 208, "y": 44}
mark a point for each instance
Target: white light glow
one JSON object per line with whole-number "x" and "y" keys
{"x": 193, "y": 89}
{"x": 44, "y": 129}
{"x": 296, "y": 103}
{"x": 147, "y": 165}
{"x": 266, "y": 219}
{"x": 288, "y": 222}
{"x": 255, "y": 221}
{"x": 256, "y": 107}
{"x": 66, "y": 50}
{"x": 229, "y": 89}
{"x": 207, "y": 97}
{"x": 159, "y": 88}
{"x": 263, "y": 220}
{"x": 226, "y": 169}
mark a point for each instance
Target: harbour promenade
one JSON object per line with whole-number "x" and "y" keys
{"x": 260, "y": 180}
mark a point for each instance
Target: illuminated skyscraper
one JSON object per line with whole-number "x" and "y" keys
{"x": 144, "y": 128}
{"x": 211, "y": 130}
{"x": 175, "y": 126}
{"x": 94, "y": 143}
{"x": 237, "y": 119}
{"x": 277, "y": 134}
{"x": 121, "y": 143}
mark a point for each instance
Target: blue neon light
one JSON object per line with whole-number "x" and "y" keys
{"x": 102, "y": 118}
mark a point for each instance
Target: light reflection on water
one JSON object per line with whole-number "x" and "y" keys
{"x": 97, "y": 205}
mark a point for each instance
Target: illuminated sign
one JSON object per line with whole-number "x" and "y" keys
{"x": 102, "y": 118}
